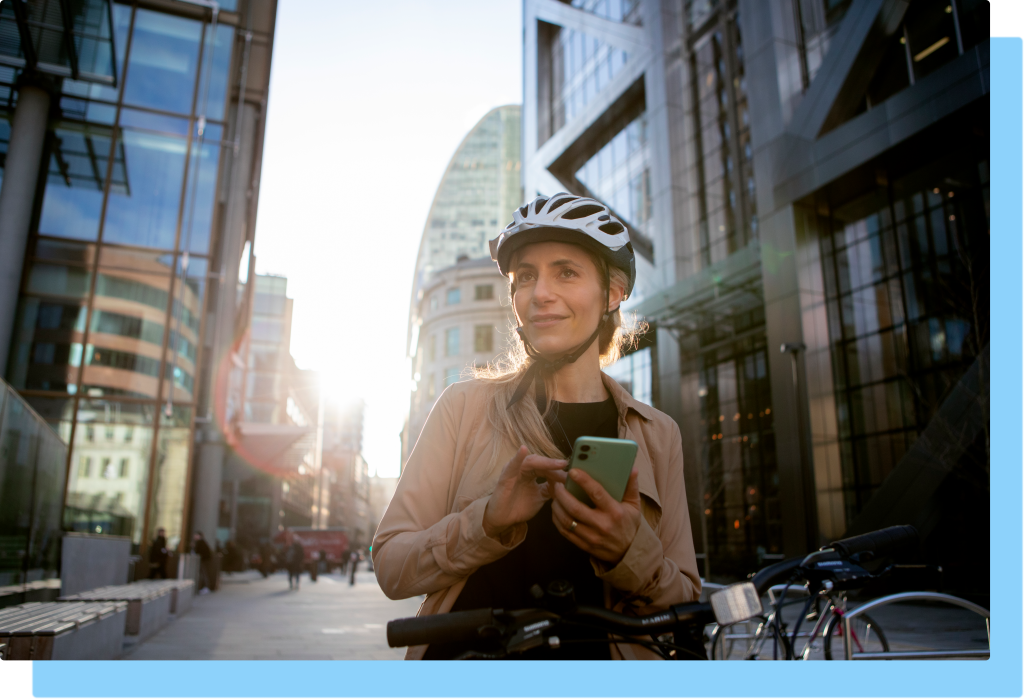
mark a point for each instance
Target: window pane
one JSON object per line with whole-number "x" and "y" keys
{"x": 169, "y": 474}
{"x": 100, "y": 500}
{"x": 213, "y": 95}
{"x": 484, "y": 292}
{"x": 483, "y": 338}
{"x": 453, "y": 296}
{"x": 75, "y": 175}
{"x": 162, "y": 66}
{"x": 200, "y": 192}
{"x": 144, "y": 211}
{"x": 451, "y": 342}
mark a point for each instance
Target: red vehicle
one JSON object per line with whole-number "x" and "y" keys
{"x": 333, "y": 542}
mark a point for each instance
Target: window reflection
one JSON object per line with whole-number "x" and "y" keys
{"x": 907, "y": 307}
{"x": 170, "y": 472}
{"x": 76, "y": 173}
{"x": 145, "y": 211}
{"x": 107, "y": 482}
{"x": 162, "y": 66}
{"x": 201, "y": 191}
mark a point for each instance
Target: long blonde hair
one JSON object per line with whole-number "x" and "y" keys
{"x": 523, "y": 423}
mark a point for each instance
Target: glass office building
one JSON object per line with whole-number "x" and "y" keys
{"x": 740, "y": 141}
{"x": 130, "y": 235}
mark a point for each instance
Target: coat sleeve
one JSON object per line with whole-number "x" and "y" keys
{"x": 419, "y": 546}
{"x": 659, "y": 569}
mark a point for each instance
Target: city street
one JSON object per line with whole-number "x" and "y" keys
{"x": 252, "y": 618}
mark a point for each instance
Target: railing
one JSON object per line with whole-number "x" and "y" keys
{"x": 33, "y": 465}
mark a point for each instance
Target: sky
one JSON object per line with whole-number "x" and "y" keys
{"x": 368, "y": 102}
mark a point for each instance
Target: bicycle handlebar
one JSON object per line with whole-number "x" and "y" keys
{"x": 473, "y": 625}
{"x": 454, "y": 627}
{"x": 883, "y": 542}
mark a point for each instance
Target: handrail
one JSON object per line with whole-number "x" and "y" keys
{"x": 910, "y": 597}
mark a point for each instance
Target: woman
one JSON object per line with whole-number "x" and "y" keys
{"x": 481, "y": 513}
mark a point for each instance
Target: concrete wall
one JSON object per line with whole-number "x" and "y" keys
{"x": 89, "y": 561}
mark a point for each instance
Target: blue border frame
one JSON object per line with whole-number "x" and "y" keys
{"x": 999, "y": 676}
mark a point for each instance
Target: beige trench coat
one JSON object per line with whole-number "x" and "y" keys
{"x": 431, "y": 538}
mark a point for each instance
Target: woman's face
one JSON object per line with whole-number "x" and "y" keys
{"x": 559, "y": 296}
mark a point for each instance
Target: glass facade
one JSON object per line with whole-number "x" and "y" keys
{"x": 905, "y": 270}
{"x": 626, "y": 11}
{"x": 633, "y": 372}
{"x": 265, "y": 399}
{"x": 33, "y": 463}
{"x": 581, "y": 67}
{"x": 742, "y": 519}
{"x": 726, "y": 199}
{"x": 110, "y": 314}
{"x": 619, "y": 174}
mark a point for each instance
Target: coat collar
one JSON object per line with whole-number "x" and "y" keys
{"x": 624, "y": 403}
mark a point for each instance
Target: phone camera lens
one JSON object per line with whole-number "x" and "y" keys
{"x": 585, "y": 447}
{"x": 583, "y": 457}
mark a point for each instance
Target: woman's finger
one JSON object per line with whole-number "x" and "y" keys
{"x": 573, "y": 507}
{"x": 598, "y": 495}
{"x": 537, "y": 462}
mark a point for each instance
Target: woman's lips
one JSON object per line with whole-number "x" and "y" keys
{"x": 545, "y": 321}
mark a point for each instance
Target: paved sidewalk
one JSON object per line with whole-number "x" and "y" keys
{"x": 252, "y": 618}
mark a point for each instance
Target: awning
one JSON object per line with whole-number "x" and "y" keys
{"x": 727, "y": 287}
{"x": 70, "y": 39}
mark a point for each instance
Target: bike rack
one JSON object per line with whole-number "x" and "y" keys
{"x": 915, "y": 655}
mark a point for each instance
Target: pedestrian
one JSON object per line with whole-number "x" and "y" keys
{"x": 314, "y": 566}
{"x": 504, "y": 521}
{"x": 294, "y": 560}
{"x": 353, "y": 562}
{"x": 202, "y": 549}
{"x": 158, "y": 554}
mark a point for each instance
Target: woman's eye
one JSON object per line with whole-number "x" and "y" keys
{"x": 568, "y": 272}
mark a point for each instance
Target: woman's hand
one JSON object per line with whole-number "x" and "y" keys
{"x": 518, "y": 496}
{"x": 607, "y": 530}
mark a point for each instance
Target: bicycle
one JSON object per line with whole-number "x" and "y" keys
{"x": 827, "y": 575}
{"x": 499, "y": 634}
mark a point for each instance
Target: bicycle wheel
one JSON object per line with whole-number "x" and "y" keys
{"x": 761, "y": 641}
{"x": 868, "y": 637}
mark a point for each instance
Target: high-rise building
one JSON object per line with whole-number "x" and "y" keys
{"x": 459, "y": 313}
{"x": 131, "y": 137}
{"x": 269, "y": 480}
{"x": 346, "y": 475}
{"x": 810, "y": 175}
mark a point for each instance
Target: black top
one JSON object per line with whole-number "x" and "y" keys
{"x": 544, "y": 555}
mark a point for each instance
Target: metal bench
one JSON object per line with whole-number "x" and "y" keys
{"x": 149, "y": 603}
{"x": 63, "y": 631}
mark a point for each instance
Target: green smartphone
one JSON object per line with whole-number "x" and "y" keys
{"x": 607, "y": 461}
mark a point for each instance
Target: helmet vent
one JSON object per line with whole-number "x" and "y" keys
{"x": 583, "y": 211}
{"x": 606, "y": 217}
{"x": 538, "y": 204}
{"x": 558, "y": 202}
{"x": 611, "y": 228}
{"x": 524, "y": 210}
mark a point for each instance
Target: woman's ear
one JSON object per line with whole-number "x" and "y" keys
{"x": 615, "y": 294}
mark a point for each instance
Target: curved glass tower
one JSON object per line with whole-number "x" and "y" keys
{"x": 475, "y": 199}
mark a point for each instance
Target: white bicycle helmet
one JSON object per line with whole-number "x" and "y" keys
{"x": 563, "y": 218}
{"x": 567, "y": 218}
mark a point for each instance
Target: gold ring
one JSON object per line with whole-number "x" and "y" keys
{"x": 572, "y": 527}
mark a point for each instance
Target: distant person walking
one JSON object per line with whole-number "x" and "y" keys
{"x": 158, "y": 555}
{"x": 353, "y": 561}
{"x": 294, "y": 560}
{"x": 202, "y": 549}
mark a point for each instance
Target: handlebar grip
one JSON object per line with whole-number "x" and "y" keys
{"x": 883, "y": 542}
{"x": 453, "y": 627}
